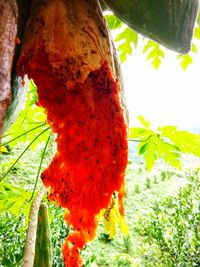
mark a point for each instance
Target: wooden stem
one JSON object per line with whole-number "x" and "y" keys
{"x": 29, "y": 250}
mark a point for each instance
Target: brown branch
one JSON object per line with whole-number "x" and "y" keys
{"x": 29, "y": 250}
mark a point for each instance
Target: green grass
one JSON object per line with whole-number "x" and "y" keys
{"x": 134, "y": 251}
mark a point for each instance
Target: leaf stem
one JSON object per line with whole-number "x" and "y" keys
{"x": 40, "y": 166}
{"x": 22, "y": 135}
{"x": 140, "y": 141}
{"x": 23, "y": 153}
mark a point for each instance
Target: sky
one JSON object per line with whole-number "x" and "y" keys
{"x": 167, "y": 96}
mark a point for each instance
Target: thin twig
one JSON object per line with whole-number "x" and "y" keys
{"x": 40, "y": 166}
{"x": 23, "y": 153}
{"x": 22, "y": 135}
{"x": 140, "y": 141}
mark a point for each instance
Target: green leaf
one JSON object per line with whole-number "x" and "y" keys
{"x": 127, "y": 38}
{"x": 19, "y": 157}
{"x": 3, "y": 149}
{"x": 156, "y": 62}
{"x": 187, "y": 142}
{"x": 197, "y": 33}
{"x": 148, "y": 150}
{"x": 143, "y": 121}
{"x": 113, "y": 22}
{"x": 168, "y": 152}
{"x": 158, "y": 148}
{"x": 155, "y": 53}
{"x": 164, "y": 130}
{"x": 194, "y": 48}
{"x": 112, "y": 218}
{"x": 198, "y": 19}
{"x": 167, "y": 143}
{"x": 139, "y": 133}
{"x": 33, "y": 93}
{"x": 13, "y": 198}
{"x": 185, "y": 60}
{"x": 32, "y": 115}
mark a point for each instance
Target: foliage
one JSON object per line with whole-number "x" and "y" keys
{"x": 167, "y": 143}
{"x": 154, "y": 52}
{"x": 129, "y": 39}
{"x": 112, "y": 218}
{"x": 148, "y": 183}
{"x": 29, "y": 131}
{"x": 174, "y": 227}
{"x": 185, "y": 61}
{"x": 113, "y": 22}
{"x": 123, "y": 260}
{"x": 14, "y": 199}
{"x": 134, "y": 248}
{"x": 30, "y": 122}
{"x": 30, "y": 128}
{"x": 118, "y": 248}
{"x": 12, "y": 236}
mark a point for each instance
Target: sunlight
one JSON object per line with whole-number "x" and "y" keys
{"x": 167, "y": 96}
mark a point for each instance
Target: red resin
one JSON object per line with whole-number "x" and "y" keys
{"x": 91, "y": 152}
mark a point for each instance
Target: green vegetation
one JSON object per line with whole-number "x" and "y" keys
{"x": 12, "y": 235}
{"x": 173, "y": 227}
{"x": 149, "y": 197}
{"x": 127, "y": 40}
{"x": 151, "y": 241}
{"x": 141, "y": 246}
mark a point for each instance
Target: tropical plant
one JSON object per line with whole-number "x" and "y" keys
{"x": 167, "y": 143}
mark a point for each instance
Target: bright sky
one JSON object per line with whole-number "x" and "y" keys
{"x": 167, "y": 96}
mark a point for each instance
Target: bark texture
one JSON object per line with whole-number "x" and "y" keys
{"x": 69, "y": 35}
{"x": 8, "y": 34}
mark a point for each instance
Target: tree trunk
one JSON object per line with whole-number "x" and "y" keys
{"x": 8, "y": 34}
